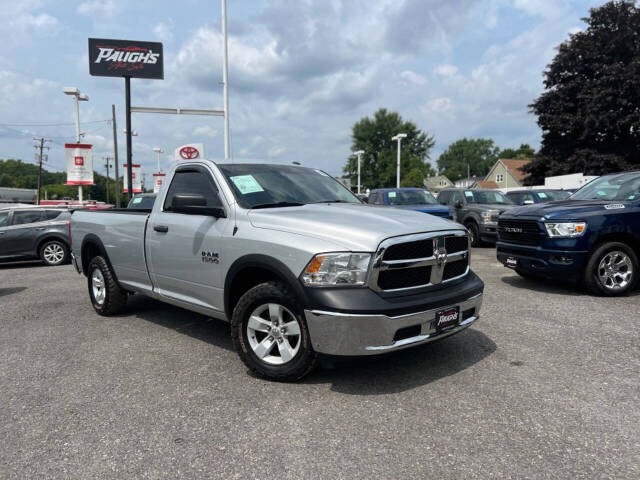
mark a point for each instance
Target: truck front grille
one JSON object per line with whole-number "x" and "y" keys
{"x": 421, "y": 260}
{"x": 524, "y": 232}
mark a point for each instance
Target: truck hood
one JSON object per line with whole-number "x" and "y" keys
{"x": 568, "y": 209}
{"x": 355, "y": 227}
{"x": 435, "y": 209}
{"x": 492, "y": 206}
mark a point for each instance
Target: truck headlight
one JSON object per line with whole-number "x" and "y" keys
{"x": 337, "y": 269}
{"x": 566, "y": 229}
{"x": 490, "y": 216}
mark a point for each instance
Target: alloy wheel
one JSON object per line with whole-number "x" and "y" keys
{"x": 98, "y": 286}
{"x": 615, "y": 270}
{"x": 53, "y": 253}
{"x": 274, "y": 334}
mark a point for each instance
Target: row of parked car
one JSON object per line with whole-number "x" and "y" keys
{"x": 590, "y": 236}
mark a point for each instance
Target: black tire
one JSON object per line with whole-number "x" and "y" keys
{"x": 115, "y": 298}
{"x": 302, "y": 363}
{"x": 474, "y": 233}
{"x": 592, "y": 279}
{"x": 54, "y": 252}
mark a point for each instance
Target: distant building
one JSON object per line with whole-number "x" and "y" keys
{"x": 466, "y": 182}
{"x": 484, "y": 184}
{"x": 573, "y": 180}
{"x": 507, "y": 173}
{"x": 437, "y": 183}
{"x": 17, "y": 195}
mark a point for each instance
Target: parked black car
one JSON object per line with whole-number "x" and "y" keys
{"x": 530, "y": 197}
{"x": 478, "y": 210}
{"x": 33, "y": 232}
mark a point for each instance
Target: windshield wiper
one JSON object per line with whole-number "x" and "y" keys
{"x": 333, "y": 201}
{"x": 277, "y": 204}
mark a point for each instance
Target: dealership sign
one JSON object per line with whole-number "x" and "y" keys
{"x": 125, "y": 58}
{"x": 79, "y": 164}
{"x": 136, "y": 178}
{"x": 158, "y": 180}
{"x": 191, "y": 151}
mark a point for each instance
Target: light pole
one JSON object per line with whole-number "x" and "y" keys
{"x": 225, "y": 80}
{"x": 107, "y": 166}
{"x": 158, "y": 151}
{"x": 359, "y": 154}
{"x": 77, "y": 97}
{"x": 399, "y": 138}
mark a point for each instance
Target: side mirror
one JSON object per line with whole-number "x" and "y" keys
{"x": 458, "y": 204}
{"x": 193, "y": 204}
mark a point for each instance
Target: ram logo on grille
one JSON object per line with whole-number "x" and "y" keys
{"x": 513, "y": 229}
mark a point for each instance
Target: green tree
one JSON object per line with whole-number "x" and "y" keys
{"x": 589, "y": 112}
{"x": 525, "y": 151}
{"x": 478, "y": 154}
{"x": 378, "y": 167}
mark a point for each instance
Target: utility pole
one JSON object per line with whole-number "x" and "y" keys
{"x": 115, "y": 155}
{"x": 359, "y": 155}
{"x": 398, "y": 138}
{"x": 106, "y": 164}
{"x": 40, "y": 146}
{"x": 225, "y": 80}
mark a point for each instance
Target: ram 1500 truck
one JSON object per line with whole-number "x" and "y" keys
{"x": 593, "y": 237}
{"x": 290, "y": 257}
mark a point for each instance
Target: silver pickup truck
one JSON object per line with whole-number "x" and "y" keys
{"x": 286, "y": 254}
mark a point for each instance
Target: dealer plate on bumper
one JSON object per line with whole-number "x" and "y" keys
{"x": 447, "y": 318}
{"x": 511, "y": 262}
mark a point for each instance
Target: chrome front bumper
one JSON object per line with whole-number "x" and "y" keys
{"x": 336, "y": 333}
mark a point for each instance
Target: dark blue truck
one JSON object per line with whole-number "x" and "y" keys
{"x": 593, "y": 237}
{"x": 409, "y": 198}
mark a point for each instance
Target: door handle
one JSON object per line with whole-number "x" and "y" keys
{"x": 161, "y": 228}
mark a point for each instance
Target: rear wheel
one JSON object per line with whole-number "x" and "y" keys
{"x": 54, "y": 252}
{"x": 612, "y": 270}
{"x": 474, "y": 233}
{"x": 270, "y": 334}
{"x": 107, "y": 297}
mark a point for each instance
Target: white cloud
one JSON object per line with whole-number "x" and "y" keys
{"x": 164, "y": 31}
{"x": 97, "y": 9}
{"x": 446, "y": 70}
{"x": 413, "y": 77}
{"x": 274, "y": 152}
{"x": 205, "y": 131}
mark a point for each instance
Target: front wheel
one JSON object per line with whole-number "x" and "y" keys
{"x": 474, "y": 234}
{"x": 54, "y": 252}
{"x": 612, "y": 270}
{"x": 270, "y": 334}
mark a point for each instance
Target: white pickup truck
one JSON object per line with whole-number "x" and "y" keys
{"x": 296, "y": 263}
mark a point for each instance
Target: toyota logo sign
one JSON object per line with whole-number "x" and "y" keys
{"x": 189, "y": 153}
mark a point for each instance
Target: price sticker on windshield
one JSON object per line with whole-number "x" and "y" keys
{"x": 392, "y": 194}
{"x": 247, "y": 184}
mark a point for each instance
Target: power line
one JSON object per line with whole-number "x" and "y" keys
{"x": 49, "y": 124}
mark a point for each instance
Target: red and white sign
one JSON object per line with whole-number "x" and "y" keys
{"x": 136, "y": 178}
{"x": 158, "y": 180}
{"x": 191, "y": 151}
{"x": 79, "y": 164}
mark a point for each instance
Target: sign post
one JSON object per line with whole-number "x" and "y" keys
{"x": 128, "y": 59}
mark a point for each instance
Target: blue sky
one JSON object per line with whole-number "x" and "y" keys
{"x": 301, "y": 72}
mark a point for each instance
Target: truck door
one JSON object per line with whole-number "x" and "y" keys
{"x": 183, "y": 249}
{"x": 20, "y": 237}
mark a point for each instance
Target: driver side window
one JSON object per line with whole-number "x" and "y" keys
{"x": 194, "y": 182}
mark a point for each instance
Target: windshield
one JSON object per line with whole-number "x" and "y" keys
{"x": 486, "y": 196}
{"x": 263, "y": 185}
{"x": 621, "y": 186}
{"x": 142, "y": 202}
{"x": 411, "y": 197}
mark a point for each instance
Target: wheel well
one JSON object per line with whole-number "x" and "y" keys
{"x": 89, "y": 251}
{"x": 621, "y": 237}
{"x": 47, "y": 239}
{"x": 246, "y": 279}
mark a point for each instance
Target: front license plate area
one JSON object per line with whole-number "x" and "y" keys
{"x": 512, "y": 262}
{"x": 447, "y": 318}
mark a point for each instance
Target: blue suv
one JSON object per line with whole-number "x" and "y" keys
{"x": 417, "y": 199}
{"x": 594, "y": 236}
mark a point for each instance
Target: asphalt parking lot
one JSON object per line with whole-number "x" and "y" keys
{"x": 546, "y": 385}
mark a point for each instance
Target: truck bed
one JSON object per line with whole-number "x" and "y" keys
{"x": 122, "y": 233}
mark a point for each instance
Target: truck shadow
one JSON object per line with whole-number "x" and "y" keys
{"x": 22, "y": 264}
{"x": 11, "y": 290}
{"x": 407, "y": 369}
{"x": 201, "y": 327}
{"x": 389, "y": 373}
{"x": 545, "y": 285}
